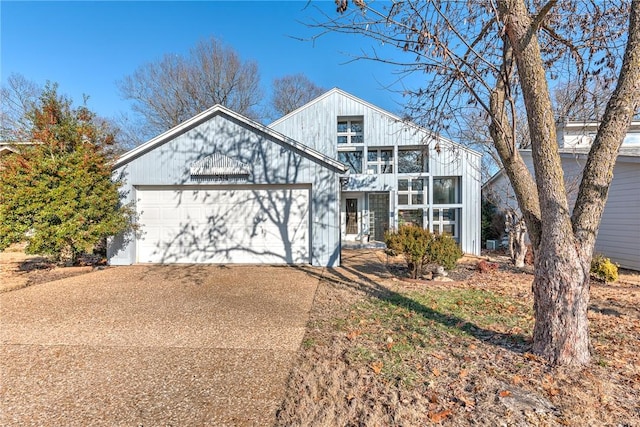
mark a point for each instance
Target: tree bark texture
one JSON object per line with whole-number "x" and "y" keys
{"x": 565, "y": 244}
{"x": 561, "y": 279}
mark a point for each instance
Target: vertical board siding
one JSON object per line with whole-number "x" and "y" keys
{"x": 270, "y": 161}
{"x": 315, "y": 125}
{"x": 619, "y": 232}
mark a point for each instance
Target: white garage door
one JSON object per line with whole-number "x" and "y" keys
{"x": 223, "y": 225}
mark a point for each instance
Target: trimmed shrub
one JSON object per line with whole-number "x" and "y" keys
{"x": 444, "y": 251}
{"x": 604, "y": 269}
{"x": 412, "y": 242}
{"x": 419, "y": 247}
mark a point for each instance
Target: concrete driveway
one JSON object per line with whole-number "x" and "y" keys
{"x": 152, "y": 345}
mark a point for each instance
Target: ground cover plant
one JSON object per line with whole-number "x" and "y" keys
{"x": 382, "y": 351}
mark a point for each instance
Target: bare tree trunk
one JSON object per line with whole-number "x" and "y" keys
{"x": 517, "y": 232}
{"x": 561, "y": 299}
{"x": 519, "y": 245}
{"x": 561, "y": 283}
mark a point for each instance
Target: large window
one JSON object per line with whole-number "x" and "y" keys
{"x": 350, "y": 131}
{"x": 446, "y": 191}
{"x": 410, "y": 217}
{"x": 445, "y": 221}
{"x": 411, "y": 191}
{"x": 379, "y": 161}
{"x": 412, "y": 160}
{"x": 352, "y": 159}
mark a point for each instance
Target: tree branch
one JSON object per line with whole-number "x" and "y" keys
{"x": 598, "y": 172}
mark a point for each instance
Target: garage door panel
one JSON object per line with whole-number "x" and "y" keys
{"x": 224, "y": 226}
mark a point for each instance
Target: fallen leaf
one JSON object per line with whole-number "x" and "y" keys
{"x": 464, "y": 373}
{"x": 505, "y": 393}
{"x": 377, "y": 367}
{"x": 353, "y": 334}
{"x": 553, "y": 391}
{"x": 437, "y": 417}
{"x": 435, "y": 372}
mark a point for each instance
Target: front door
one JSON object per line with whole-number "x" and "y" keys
{"x": 352, "y": 216}
{"x": 378, "y": 215}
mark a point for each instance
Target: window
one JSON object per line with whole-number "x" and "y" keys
{"x": 379, "y": 161}
{"x": 412, "y": 160}
{"x": 411, "y": 191}
{"x": 352, "y": 159}
{"x": 445, "y": 221}
{"x": 350, "y": 131}
{"x": 446, "y": 191}
{"x": 410, "y": 217}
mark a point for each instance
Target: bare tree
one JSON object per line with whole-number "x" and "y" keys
{"x": 173, "y": 89}
{"x": 575, "y": 103}
{"x": 18, "y": 97}
{"x": 492, "y": 54}
{"x": 291, "y": 92}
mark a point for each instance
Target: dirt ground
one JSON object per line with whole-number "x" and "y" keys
{"x": 486, "y": 377}
{"x": 18, "y": 270}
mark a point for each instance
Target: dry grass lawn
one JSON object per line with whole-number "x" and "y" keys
{"x": 382, "y": 351}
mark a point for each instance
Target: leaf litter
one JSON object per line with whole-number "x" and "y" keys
{"x": 394, "y": 352}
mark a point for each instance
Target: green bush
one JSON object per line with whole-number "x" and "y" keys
{"x": 444, "y": 251}
{"x": 604, "y": 269}
{"x": 413, "y": 243}
{"x": 419, "y": 247}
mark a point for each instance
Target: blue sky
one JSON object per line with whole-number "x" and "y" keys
{"x": 87, "y": 46}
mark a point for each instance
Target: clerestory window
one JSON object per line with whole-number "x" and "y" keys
{"x": 350, "y": 131}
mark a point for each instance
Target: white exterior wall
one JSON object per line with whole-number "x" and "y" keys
{"x": 315, "y": 125}
{"x": 272, "y": 164}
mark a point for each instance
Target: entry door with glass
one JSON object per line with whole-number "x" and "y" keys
{"x": 378, "y": 215}
{"x": 351, "y": 226}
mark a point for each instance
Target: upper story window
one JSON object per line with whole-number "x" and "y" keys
{"x": 411, "y": 191}
{"x": 412, "y": 160}
{"x": 446, "y": 191}
{"x": 352, "y": 159}
{"x": 350, "y": 131}
{"x": 379, "y": 161}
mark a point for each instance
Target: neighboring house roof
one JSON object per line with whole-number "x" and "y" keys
{"x": 221, "y": 110}
{"x": 379, "y": 110}
{"x": 626, "y": 154}
{"x": 7, "y": 147}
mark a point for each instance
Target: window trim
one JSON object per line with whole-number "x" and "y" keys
{"x": 423, "y": 153}
{"x": 349, "y": 133}
{"x": 379, "y": 162}
{"x": 410, "y": 191}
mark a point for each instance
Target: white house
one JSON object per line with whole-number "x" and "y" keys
{"x": 619, "y": 233}
{"x": 398, "y": 172}
{"x": 221, "y": 188}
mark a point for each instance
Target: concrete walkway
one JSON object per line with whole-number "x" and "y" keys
{"x": 152, "y": 345}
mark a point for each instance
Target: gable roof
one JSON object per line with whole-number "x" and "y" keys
{"x": 377, "y": 109}
{"x": 223, "y": 111}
